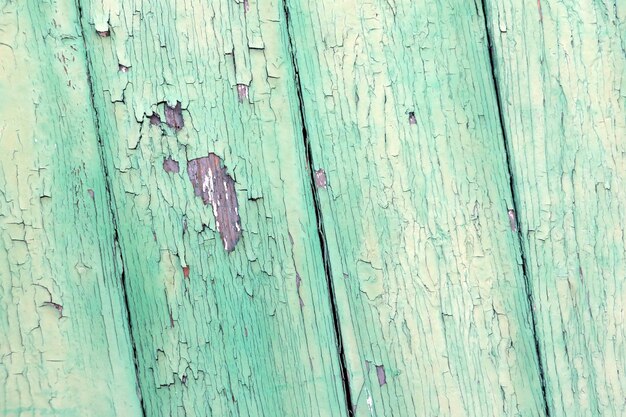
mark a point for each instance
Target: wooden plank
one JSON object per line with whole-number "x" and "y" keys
{"x": 197, "y": 106}
{"x": 561, "y": 71}
{"x": 402, "y": 117}
{"x": 65, "y": 348}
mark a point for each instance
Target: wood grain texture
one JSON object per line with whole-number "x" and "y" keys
{"x": 246, "y": 332}
{"x": 401, "y": 114}
{"x": 561, "y": 71}
{"x": 65, "y": 348}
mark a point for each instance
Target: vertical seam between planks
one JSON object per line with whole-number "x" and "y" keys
{"x": 319, "y": 220}
{"x": 507, "y": 152}
{"x": 110, "y": 200}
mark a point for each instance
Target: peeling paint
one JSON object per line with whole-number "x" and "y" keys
{"x": 216, "y": 187}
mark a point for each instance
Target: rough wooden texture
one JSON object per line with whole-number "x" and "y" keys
{"x": 64, "y": 347}
{"x": 401, "y": 114}
{"x": 247, "y": 332}
{"x": 561, "y": 71}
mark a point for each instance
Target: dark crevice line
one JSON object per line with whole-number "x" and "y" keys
{"x": 516, "y": 204}
{"x": 110, "y": 200}
{"x": 319, "y": 219}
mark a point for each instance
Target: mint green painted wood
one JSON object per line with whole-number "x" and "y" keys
{"x": 64, "y": 347}
{"x": 425, "y": 265}
{"x": 561, "y": 68}
{"x": 245, "y": 333}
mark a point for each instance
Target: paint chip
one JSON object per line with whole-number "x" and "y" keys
{"x": 123, "y": 68}
{"x": 216, "y": 187}
{"x": 186, "y": 271}
{"x": 242, "y": 92}
{"x": 380, "y": 373}
{"x": 320, "y": 178}
{"x": 512, "y": 220}
{"x": 412, "y": 119}
{"x": 155, "y": 119}
{"x": 174, "y": 116}
{"x": 170, "y": 165}
{"x": 104, "y": 33}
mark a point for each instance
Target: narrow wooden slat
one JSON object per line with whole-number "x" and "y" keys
{"x": 65, "y": 348}
{"x": 196, "y": 99}
{"x": 561, "y": 72}
{"x": 402, "y": 117}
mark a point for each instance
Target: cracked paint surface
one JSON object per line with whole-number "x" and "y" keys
{"x": 65, "y": 348}
{"x": 454, "y": 290}
{"x": 564, "y": 111}
{"x": 425, "y": 268}
{"x": 218, "y": 332}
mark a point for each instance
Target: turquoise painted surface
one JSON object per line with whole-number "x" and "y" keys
{"x": 561, "y": 69}
{"x": 64, "y": 347}
{"x": 444, "y": 234}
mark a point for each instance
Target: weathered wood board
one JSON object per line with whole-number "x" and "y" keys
{"x": 561, "y": 72}
{"x": 64, "y": 343}
{"x": 401, "y": 114}
{"x": 222, "y": 327}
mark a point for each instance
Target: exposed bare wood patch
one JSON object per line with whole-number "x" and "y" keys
{"x": 170, "y": 165}
{"x": 380, "y": 374}
{"x": 155, "y": 119}
{"x": 217, "y": 188}
{"x": 174, "y": 116}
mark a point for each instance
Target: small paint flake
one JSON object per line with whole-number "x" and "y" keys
{"x": 246, "y": 6}
{"x": 104, "y": 33}
{"x": 170, "y": 165}
{"x": 412, "y": 119}
{"x": 123, "y": 68}
{"x": 91, "y": 193}
{"x": 186, "y": 271}
{"x": 512, "y": 220}
{"x": 242, "y": 92}
{"x": 320, "y": 178}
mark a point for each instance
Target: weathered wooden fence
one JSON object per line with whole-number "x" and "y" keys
{"x": 312, "y": 208}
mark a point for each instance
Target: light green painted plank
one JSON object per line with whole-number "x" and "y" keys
{"x": 561, "y": 71}
{"x": 424, "y": 262}
{"x": 65, "y": 348}
{"x": 231, "y": 338}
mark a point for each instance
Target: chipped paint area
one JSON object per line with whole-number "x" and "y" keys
{"x": 216, "y": 187}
